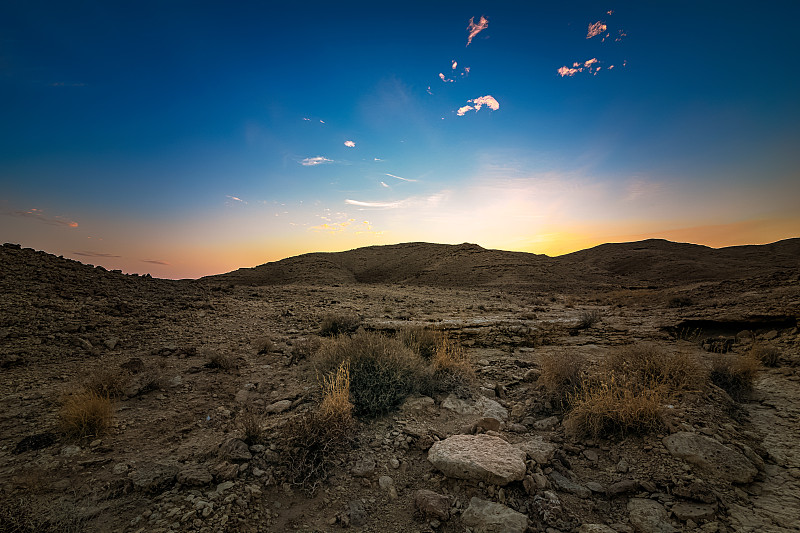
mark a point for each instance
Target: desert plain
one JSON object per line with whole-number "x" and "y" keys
{"x": 211, "y": 385}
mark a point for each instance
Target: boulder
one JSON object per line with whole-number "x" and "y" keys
{"x": 478, "y": 457}
{"x": 194, "y": 476}
{"x": 489, "y": 517}
{"x": 538, "y": 449}
{"x": 711, "y": 456}
{"x": 153, "y": 478}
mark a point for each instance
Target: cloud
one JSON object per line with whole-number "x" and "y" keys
{"x": 455, "y": 64}
{"x": 377, "y": 159}
{"x": 384, "y": 205}
{"x": 399, "y": 178}
{"x": 590, "y": 66}
{"x": 590, "y": 62}
{"x": 566, "y": 71}
{"x": 313, "y": 161}
{"x": 95, "y": 254}
{"x": 383, "y": 183}
{"x": 444, "y": 79}
{"x": 488, "y": 101}
{"x": 411, "y": 202}
{"x": 596, "y": 29}
{"x": 350, "y": 144}
{"x": 307, "y": 119}
{"x": 155, "y": 262}
{"x": 475, "y": 29}
{"x": 429, "y": 90}
{"x": 39, "y": 215}
{"x": 235, "y": 198}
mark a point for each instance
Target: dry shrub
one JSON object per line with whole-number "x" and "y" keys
{"x": 647, "y": 365}
{"x": 313, "y": 440}
{"x": 735, "y": 374}
{"x": 221, "y": 360}
{"x": 562, "y": 374}
{"x": 86, "y": 414}
{"x": 607, "y": 408}
{"x": 383, "y": 371}
{"x": 305, "y": 348}
{"x": 423, "y": 341}
{"x": 110, "y": 382}
{"x": 767, "y": 354}
{"x": 250, "y": 423}
{"x": 263, "y": 345}
{"x": 450, "y": 370}
{"x": 23, "y": 515}
{"x": 339, "y": 324}
{"x": 588, "y": 319}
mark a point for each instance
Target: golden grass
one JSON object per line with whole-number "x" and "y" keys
{"x": 767, "y": 354}
{"x": 86, "y": 414}
{"x": 562, "y": 374}
{"x": 336, "y": 394}
{"x": 606, "y": 408}
{"x": 424, "y": 341}
{"x": 735, "y": 374}
{"x": 647, "y": 366}
{"x": 105, "y": 381}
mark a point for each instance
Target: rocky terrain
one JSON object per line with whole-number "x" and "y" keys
{"x": 191, "y": 361}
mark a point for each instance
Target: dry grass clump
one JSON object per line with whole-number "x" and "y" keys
{"x": 647, "y": 365}
{"x": 110, "y": 382}
{"x": 339, "y": 324}
{"x": 383, "y": 371}
{"x": 450, "y": 369}
{"x": 250, "y": 423}
{"x": 21, "y": 515}
{"x": 263, "y": 345}
{"x": 562, "y": 374}
{"x": 607, "y": 408}
{"x": 422, "y": 340}
{"x": 313, "y": 440}
{"x": 735, "y": 374}
{"x": 86, "y": 414}
{"x": 221, "y": 360}
{"x": 588, "y": 319}
{"x": 767, "y": 354}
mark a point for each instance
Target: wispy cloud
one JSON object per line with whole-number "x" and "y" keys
{"x": 475, "y": 29}
{"x": 95, "y": 254}
{"x": 596, "y": 29}
{"x": 399, "y": 178}
{"x": 235, "y": 198}
{"x": 38, "y": 214}
{"x": 350, "y": 144}
{"x": 445, "y": 79}
{"x": 313, "y": 161}
{"x": 590, "y": 66}
{"x": 382, "y": 205}
{"x": 488, "y": 101}
{"x": 383, "y": 184}
{"x": 155, "y": 262}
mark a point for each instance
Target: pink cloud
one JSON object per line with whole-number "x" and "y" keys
{"x": 596, "y": 29}
{"x": 566, "y": 71}
{"x": 350, "y": 144}
{"x": 589, "y": 62}
{"x": 444, "y": 79}
{"x": 475, "y": 29}
{"x": 155, "y": 262}
{"x": 454, "y": 65}
{"x": 488, "y": 101}
{"x": 38, "y": 214}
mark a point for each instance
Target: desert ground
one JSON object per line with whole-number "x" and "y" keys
{"x": 639, "y": 387}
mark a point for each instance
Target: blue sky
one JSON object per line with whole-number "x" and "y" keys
{"x": 190, "y": 138}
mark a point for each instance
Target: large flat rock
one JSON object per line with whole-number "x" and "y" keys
{"x": 711, "y": 456}
{"x": 478, "y": 457}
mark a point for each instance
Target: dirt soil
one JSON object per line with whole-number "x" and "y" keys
{"x": 173, "y": 461}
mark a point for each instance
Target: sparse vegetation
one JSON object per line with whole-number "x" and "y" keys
{"x": 339, "y": 324}
{"x": 424, "y": 341}
{"x": 313, "y": 440}
{"x": 263, "y": 345}
{"x": 647, "y": 365}
{"x": 304, "y": 348}
{"x": 250, "y": 423}
{"x": 562, "y": 375}
{"x": 383, "y": 371}
{"x": 21, "y": 515}
{"x": 609, "y": 407}
{"x": 588, "y": 319}
{"x": 767, "y": 354}
{"x": 107, "y": 381}
{"x": 220, "y": 360}
{"x": 450, "y": 369}
{"x": 735, "y": 374}
{"x": 86, "y": 414}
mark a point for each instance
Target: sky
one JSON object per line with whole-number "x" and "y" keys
{"x": 189, "y": 138}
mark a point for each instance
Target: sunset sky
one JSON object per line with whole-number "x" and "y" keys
{"x": 186, "y": 138}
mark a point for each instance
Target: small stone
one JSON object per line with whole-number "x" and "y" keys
{"x": 562, "y": 483}
{"x": 432, "y": 504}
{"x": 595, "y": 528}
{"x": 538, "y": 449}
{"x": 279, "y": 407}
{"x": 357, "y": 512}
{"x": 546, "y": 423}
{"x": 622, "y": 466}
{"x": 364, "y": 467}
{"x": 693, "y": 511}
{"x": 623, "y": 487}
{"x": 648, "y": 516}
{"x": 591, "y": 455}
{"x": 235, "y": 450}
{"x": 70, "y": 450}
{"x": 596, "y": 487}
{"x": 394, "y": 463}
{"x": 194, "y": 475}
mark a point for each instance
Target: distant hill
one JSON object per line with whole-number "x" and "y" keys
{"x": 652, "y": 261}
